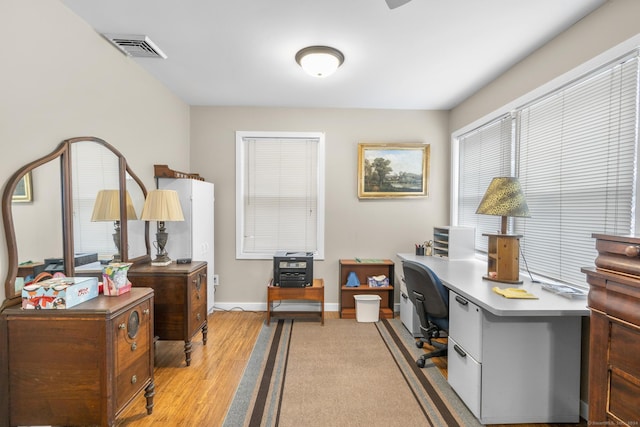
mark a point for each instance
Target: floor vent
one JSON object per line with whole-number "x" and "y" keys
{"x": 134, "y": 45}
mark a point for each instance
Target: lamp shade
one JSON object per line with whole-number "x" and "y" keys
{"x": 504, "y": 197}
{"x": 162, "y": 205}
{"x": 319, "y": 61}
{"x": 107, "y": 206}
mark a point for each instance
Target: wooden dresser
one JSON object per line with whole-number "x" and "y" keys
{"x": 614, "y": 341}
{"x": 180, "y": 300}
{"x": 79, "y": 366}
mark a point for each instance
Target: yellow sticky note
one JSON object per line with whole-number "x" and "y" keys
{"x": 514, "y": 293}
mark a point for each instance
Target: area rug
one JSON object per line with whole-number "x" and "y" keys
{"x": 343, "y": 373}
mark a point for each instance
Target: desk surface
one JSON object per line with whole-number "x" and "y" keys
{"x": 465, "y": 278}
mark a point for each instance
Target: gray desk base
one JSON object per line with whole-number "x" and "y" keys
{"x": 518, "y": 367}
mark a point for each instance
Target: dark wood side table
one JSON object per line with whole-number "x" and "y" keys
{"x": 180, "y": 300}
{"x": 79, "y": 366}
{"x": 311, "y": 293}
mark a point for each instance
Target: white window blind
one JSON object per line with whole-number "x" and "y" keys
{"x": 92, "y": 236}
{"x": 280, "y": 197}
{"x": 577, "y": 167}
{"x": 483, "y": 154}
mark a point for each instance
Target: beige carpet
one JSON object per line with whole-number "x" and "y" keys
{"x": 343, "y": 373}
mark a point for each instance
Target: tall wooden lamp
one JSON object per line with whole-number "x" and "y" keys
{"x": 161, "y": 206}
{"x": 107, "y": 208}
{"x": 504, "y": 198}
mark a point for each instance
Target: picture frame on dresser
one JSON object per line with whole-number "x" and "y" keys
{"x": 392, "y": 170}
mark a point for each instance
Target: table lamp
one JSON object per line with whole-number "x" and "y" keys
{"x": 504, "y": 198}
{"x": 161, "y": 206}
{"x": 107, "y": 208}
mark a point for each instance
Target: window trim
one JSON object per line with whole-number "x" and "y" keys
{"x": 240, "y": 185}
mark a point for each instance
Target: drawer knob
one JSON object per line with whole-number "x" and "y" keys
{"x": 134, "y": 346}
{"x": 198, "y": 316}
{"x": 134, "y": 379}
{"x": 145, "y": 311}
{"x": 632, "y": 251}
{"x": 122, "y": 326}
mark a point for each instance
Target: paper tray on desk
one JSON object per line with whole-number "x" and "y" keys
{"x": 564, "y": 290}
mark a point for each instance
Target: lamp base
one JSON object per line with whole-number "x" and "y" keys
{"x": 503, "y": 262}
{"x": 161, "y": 260}
{"x": 511, "y": 282}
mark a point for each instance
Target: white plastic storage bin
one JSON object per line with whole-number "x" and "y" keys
{"x": 367, "y": 308}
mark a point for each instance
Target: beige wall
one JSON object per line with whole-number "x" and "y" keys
{"x": 353, "y": 228}
{"x": 613, "y": 23}
{"x": 60, "y": 79}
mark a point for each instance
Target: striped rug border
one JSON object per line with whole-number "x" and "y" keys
{"x": 258, "y": 399}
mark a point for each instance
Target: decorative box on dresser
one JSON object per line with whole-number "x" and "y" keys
{"x": 180, "y": 300}
{"x": 614, "y": 341}
{"x": 79, "y": 366}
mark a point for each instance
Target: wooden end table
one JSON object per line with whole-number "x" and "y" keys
{"x": 312, "y": 293}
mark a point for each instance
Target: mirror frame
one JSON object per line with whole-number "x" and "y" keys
{"x": 63, "y": 151}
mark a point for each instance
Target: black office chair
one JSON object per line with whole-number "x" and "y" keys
{"x": 431, "y": 300}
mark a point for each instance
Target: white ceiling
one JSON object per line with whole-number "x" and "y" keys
{"x": 427, "y": 54}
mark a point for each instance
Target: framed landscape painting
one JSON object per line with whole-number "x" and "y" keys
{"x": 393, "y": 170}
{"x": 24, "y": 190}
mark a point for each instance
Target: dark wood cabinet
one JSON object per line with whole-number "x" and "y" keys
{"x": 365, "y": 270}
{"x": 79, "y": 366}
{"x": 614, "y": 340}
{"x": 180, "y": 300}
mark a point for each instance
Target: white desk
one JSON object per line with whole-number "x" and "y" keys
{"x": 510, "y": 360}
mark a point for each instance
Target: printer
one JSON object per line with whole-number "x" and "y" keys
{"x": 293, "y": 269}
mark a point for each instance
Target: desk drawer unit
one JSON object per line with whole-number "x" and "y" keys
{"x": 465, "y": 351}
{"x": 491, "y": 357}
{"x": 465, "y": 325}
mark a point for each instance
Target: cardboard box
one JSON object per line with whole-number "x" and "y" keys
{"x": 59, "y": 293}
{"x": 114, "y": 279}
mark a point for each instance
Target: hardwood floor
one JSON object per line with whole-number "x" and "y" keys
{"x": 200, "y": 395}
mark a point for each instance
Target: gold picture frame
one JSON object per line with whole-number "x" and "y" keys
{"x": 391, "y": 170}
{"x": 24, "y": 190}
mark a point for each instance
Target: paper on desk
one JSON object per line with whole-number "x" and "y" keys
{"x": 514, "y": 293}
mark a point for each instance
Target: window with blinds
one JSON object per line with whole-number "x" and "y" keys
{"x": 483, "y": 154}
{"x": 279, "y": 193}
{"x": 90, "y": 237}
{"x": 576, "y": 154}
{"x": 577, "y": 167}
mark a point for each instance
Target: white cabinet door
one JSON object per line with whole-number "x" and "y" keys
{"x": 194, "y": 237}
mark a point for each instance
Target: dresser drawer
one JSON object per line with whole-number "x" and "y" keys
{"x": 198, "y": 297}
{"x": 464, "y": 376}
{"x": 465, "y": 324}
{"x": 625, "y": 347}
{"x": 133, "y": 341}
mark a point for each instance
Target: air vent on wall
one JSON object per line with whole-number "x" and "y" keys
{"x": 135, "y": 45}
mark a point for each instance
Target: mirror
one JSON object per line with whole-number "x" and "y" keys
{"x": 57, "y": 224}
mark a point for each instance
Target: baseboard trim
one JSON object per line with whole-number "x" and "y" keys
{"x": 262, "y": 306}
{"x": 584, "y": 410}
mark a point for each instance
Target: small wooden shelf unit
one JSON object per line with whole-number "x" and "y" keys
{"x": 363, "y": 270}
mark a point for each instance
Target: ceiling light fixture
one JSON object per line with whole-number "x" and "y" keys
{"x": 319, "y": 61}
